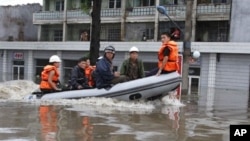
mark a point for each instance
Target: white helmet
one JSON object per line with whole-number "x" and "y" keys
{"x": 134, "y": 49}
{"x": 54, "y": 58}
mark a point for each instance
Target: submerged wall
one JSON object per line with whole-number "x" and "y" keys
{"x": 16, "y": 22}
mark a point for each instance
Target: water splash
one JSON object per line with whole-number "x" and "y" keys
{"x": 16, "y": 89}
{"x": 171, "y": 99}
{"x": 104, "y": 105}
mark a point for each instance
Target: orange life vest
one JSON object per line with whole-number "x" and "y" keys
{"x": 45, "y": 76}
{"x": 172, "y": 63}
{"x": 88, "y": 74}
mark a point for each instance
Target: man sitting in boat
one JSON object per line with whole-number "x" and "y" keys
{"x": 167, "y": 55}
{"x": 78, "y": 79}
{"x": 133, "y": 67}
{"x": 105, "y": 76}
{"x": 50, "y": 75}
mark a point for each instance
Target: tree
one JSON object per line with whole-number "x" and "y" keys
{"x": 95, "y": 31}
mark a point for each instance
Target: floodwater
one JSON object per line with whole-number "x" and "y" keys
{"x": 197, "y": 117}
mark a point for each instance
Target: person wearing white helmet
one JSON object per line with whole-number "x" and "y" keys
{"x": 133, "y": 67}
{"x": 50, "y": 75}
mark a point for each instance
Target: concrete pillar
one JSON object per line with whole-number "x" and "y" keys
{"x": 39, "y": 32}
{"x": 157, "y": 2}
{"x": 30, "y": 66}
{"x": 61, "y": 71}
{"x": 65, "y": 21}
{"x": 44, "y": 4}
{"x": 123, "y": 20}
{"x": 211, "y": 83}
{"x": 194, "y": 13}
{"x": 4, "y": 65}
{"x": 212, "y": 70}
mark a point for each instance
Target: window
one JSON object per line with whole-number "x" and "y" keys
{"x": 58, "y": 35}
{"x": 59, "y": 5}
{"x": 68, "y": 65}
{"x": 150, "y": 33}
{"x": 212, "y": 1}
{"x": 40, "y": 63}
{"x": 114, "y": 34}
{"x": 169, "y": 2}
{"x": 18, "y": 70}
{"x": 114, "y": 3}
{"x": 148, "y": 2}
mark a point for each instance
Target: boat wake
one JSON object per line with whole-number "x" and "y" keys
{"x": 16, "y": 91}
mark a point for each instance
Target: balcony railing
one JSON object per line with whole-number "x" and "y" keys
{"x": 172, "y": 10}
{"x": 142, "y": 11}
{"x": 213, "y": 9}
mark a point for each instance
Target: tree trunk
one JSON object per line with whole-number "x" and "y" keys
{"x": 95, "y": 31}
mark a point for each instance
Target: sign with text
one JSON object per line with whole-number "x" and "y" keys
{"x": 18, "y": 55}
{"x": 239, "y": 132}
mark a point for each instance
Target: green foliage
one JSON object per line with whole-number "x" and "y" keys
{"x": 86, "y": 6}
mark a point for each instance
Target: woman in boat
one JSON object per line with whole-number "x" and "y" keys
{"x": 167, "y": 55}
{"x": 133, "y": 67}
{"x": 78, "y": 79}
{"x": 105, "y": 76}
{"x": 50, "y": 75}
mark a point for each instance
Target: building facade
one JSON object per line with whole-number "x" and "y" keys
{"x": 132, "y": 20}
{"x": 16, "y": 22}
{"x": 221, "y": 65}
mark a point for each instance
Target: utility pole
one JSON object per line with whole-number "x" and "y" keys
{"x": 187, "y": 46}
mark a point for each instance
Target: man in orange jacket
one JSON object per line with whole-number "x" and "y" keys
{"x": 167, "y": 56}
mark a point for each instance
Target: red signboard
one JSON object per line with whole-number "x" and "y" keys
{"x": 18, "y": 55}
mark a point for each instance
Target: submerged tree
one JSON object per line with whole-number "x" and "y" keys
{"x": 95, "y": 31}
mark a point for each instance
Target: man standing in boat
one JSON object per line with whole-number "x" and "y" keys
{"x": 167, "y": 55}
{"x": 133, "y": 67}
{"x": 78, "y": 79}
{"x": 105, "y": 75}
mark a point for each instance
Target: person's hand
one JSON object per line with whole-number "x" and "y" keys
{"x": 79, "y": 87}
{"x": 159, "y": 72}
{"x": 116, "y": 74}
{"x": 58, "y": 89}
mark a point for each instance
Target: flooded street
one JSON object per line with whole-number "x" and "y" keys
{"x": 203, "y": 117}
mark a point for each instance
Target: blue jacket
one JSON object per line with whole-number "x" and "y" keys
{"x": 103, "y": 73}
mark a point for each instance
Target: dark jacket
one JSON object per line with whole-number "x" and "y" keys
{"x": 125, "y": 68}
{"x": 103, "y": 73}
{"x": 77, "y": 78}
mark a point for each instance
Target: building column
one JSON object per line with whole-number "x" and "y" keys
{"x": 30, "y": 66}
{"x": 123, "y": 20}
{"x": 194, "y": 20}
{"x": 4, "y": 65}
{"x": 65, "y": 21}
{"x": 59, "y": 53}
{"x": 43, "y": 6}
{"x": 157, "y": 2}
{"x": 211, "y": 82}
{"x": 39, "y": 32}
